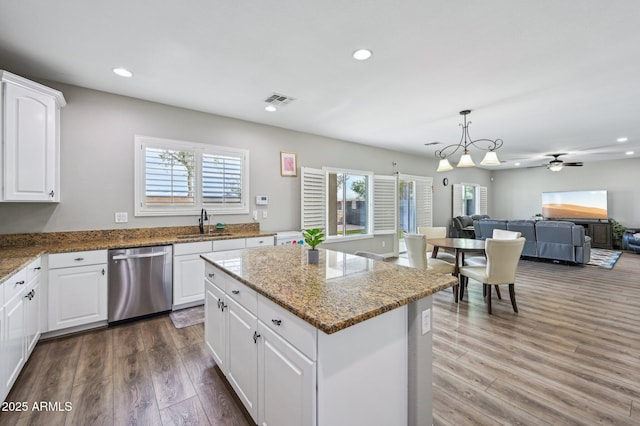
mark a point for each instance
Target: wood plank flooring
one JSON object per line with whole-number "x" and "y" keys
{"x": 571, "y": 356}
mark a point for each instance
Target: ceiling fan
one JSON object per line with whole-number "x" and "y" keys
{"x": 556, "y": 164}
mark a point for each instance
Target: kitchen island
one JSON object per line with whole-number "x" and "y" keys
{"x": 346, "y": 341}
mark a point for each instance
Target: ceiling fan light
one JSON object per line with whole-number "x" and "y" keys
{"x": 555, "y": 167}
{"x": 490, "y": 159}
{"x": 466, "y": 161}
{"x": 444, "y": 166}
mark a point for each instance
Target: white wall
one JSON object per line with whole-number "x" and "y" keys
{"x": 517, "y": 192}
{"x": 97, "y": 166}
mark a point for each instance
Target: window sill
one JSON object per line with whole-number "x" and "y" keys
{"x": 334, "y": 239}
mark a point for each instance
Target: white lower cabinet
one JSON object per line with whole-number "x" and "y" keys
{"x": 188, "y": 268}
{"x": 286, "y": 382}
{"x": 215, "y": 320}
{"x": 19, "y": 322}
{"x": 275, "y": 381}
{"x": 77, "y": 289}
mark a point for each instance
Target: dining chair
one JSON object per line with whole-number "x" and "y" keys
{"x": 416, "y": 251}
{"x": 502, "y": 263}
{"x": 502, "y": 234}
{"x": 436, "y": 232}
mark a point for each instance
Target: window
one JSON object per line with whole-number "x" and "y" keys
{"x": 469, "y": 199}
{"x": 348, "y": 208}
{"x": 348, "y": 203}
{"x": 180, "y": 178}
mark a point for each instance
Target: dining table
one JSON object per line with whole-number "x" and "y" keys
{"x": 460, "y": 247}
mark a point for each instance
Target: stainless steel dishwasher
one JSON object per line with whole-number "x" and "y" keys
{"x": 140, "y": 281}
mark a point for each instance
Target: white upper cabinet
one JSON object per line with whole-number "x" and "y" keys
{"x": 30, "y": 140}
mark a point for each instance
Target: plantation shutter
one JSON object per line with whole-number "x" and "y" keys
{"x": 458, "y": 202}
{"x": 482, "y": 200}
{"x": 424, "y": 201}
{"x": 221, "y": 179}
{"x": 385, "y": 204}
{"x": 169, "y": 177}
{"x": 313, "y": 198}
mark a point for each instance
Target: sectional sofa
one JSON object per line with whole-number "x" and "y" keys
{"x": 547, "y": 239}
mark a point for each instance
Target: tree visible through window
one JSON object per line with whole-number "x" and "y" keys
{"x": 348, "y": 205}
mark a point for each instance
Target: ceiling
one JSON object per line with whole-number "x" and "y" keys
{"x": 545, "y": 76}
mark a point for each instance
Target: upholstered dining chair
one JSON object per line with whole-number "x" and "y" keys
{"x": 416, "y": 250}
{"x": 502, "y": 234}
{"x": 430, "y": 232}
{"x": 502, "y": 263}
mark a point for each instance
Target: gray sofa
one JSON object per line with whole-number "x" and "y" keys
{"x": 462, "y": 226}
{"x": 547, "y": 239}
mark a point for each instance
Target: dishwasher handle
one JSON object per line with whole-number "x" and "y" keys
{"x": 139, "y": 256}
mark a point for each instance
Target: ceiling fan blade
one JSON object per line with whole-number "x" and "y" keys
{"x": 577, "y": 164}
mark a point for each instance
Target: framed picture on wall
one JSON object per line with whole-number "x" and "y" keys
{"x": 288, "y": 164}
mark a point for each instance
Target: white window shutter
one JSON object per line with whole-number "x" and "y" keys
{"x": 458, "y": 202}
{"x": 385, "y": 204}
{"x": 424, "y": 202}
{"x": 482, "y": 200}
{"x": 314, "y": 200}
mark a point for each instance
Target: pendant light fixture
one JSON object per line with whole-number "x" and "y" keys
{"x": 490, "y": 158}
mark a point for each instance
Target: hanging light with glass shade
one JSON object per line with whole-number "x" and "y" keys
{"x": 490, "y": 158}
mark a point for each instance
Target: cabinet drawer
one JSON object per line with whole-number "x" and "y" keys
{"x": 242, "y": 294}
{"x": 34, "y": 269}
{"x": 296, "y": 331}
{"x": 260, "y": 242}
{"x": 79, "y": 258}
{"x": 15, "y": 284}
{"x": 234, "y": 244}
{"x": 192, "y": 248}
{"x": 215, "y": 275}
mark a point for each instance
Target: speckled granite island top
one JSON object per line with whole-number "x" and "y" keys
{"x": 340, "y": 291}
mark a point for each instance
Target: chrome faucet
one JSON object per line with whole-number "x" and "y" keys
{"x": 203, "y": 217}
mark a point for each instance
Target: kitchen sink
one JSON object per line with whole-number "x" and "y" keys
{"x": 208, "y": 235}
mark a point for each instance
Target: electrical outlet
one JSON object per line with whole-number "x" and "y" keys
{"x": 255, "y": 215}
{"x": 121, "y": 217}
{"x": 384, "y": 243}
{"x": 264, "y": 214}
{"x": 426, "y": 321}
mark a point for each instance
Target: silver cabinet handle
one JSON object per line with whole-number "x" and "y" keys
{"x": 276, "y": 321}
{"x": 235, "y": 291}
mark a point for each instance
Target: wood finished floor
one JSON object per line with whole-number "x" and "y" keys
{"x": 571, "y": 356}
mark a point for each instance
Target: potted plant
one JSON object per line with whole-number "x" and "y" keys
{"x": 313, "y": 237}
{"x": 617, "y": 231}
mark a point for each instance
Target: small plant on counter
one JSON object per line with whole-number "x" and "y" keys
{"x": 313, "y": 237}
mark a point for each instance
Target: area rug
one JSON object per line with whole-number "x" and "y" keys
{"x": 186, "y": 317}
{"x": 605, "y": 259}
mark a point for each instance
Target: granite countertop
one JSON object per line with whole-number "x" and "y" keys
{"x": 340, "y": 291}
{"x": 20, "y": 250}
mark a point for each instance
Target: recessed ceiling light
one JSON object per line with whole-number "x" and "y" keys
{"x": 629, "y": 152}
{"x": 122, "y": 72}
{"x": 622, "y": 139}
{"x": 270, "y": 108}
{"x": 517, "y": 164}
{"x": 362, "y": 54}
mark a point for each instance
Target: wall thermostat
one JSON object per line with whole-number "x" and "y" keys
{"x": 262, "y": 200}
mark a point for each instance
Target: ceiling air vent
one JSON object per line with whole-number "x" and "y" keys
{"x": 279, "y": 100}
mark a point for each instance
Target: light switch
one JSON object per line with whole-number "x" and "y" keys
{"x": 264, "y": 214}
{"x": 426, "y": 321}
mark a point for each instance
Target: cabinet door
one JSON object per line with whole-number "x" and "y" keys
{"x": 30, "y": 145}
{"x": 188, "y": 285}
{"x": 77, "y": 296}
{"x": 3, "y": 355}
{"x": 286, "y": 383}
{"x": 13, "y": 353}
{"x": 215, "y": 324}
{"x": 242, "y": 355}
{"x": 33, "y": 303}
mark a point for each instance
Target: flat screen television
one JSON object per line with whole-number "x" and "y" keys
{"x": 575, "y": 205}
